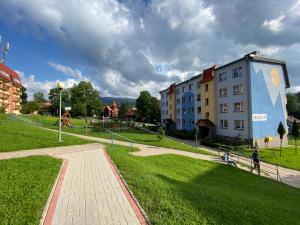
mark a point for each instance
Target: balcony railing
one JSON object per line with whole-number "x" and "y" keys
{"x": 4, "y": 96}
{"x": 4, "y": 87}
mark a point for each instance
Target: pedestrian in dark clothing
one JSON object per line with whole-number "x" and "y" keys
{"x": 256, "y": 161}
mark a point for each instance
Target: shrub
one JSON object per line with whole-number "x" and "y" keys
{"x": 182, "y": 134}
{"x": 161, "y": 133}
{"x": 2, "y": 110}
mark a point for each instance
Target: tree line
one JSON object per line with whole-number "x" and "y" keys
{"x": 85, "y": 100}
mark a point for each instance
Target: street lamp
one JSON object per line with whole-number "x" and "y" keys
{"x": 60, "y": 86}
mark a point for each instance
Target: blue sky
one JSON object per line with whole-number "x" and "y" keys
{"x": 124, "y": 47}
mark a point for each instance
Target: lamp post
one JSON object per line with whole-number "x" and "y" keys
{"x": 60, "y": 87}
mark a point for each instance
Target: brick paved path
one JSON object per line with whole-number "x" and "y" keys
{"x": 90, "y": 192}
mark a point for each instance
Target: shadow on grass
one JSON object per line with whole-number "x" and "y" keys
{"x": 230, "y": 197}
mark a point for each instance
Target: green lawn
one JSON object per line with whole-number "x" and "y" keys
{"x": 136, "y": 135}
{"x": 180, "y": 190}
{"x": 17, "y": 135}
{"x": 25, "y": 186}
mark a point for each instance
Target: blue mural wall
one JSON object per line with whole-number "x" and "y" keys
{"x": 268, "y": 98}
{"x": 188, "y": 116}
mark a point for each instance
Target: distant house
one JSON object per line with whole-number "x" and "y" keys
{"x": 111, "y": 111}
{"x": 290, "y": 121}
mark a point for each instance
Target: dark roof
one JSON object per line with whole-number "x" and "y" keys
{"x": 172, "y": 89}
{"x": 9, "y": 75}
{"x": 192, "y": 78}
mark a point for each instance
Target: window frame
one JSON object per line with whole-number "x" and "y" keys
{"x": 242, "y": 125}
{"x": 222, "y": 123}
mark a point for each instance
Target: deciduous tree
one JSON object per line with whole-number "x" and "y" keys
{"x": 281, "y": 131}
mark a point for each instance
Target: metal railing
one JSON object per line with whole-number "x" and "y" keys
{"x": 121, "y": 136}
{"x": 241, "y": 159}
{"x": 15, "y": 116}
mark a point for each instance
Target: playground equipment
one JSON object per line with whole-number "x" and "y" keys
{"x": 65, "y": 120}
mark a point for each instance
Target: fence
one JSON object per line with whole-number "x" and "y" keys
{"x": 269, "y": 170}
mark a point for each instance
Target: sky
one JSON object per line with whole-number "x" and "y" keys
{"x": 126, "y": 46}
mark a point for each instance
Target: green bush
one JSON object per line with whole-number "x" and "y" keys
{"x": 182, "y": 134}
{"x": 2, "y": 110}
{"x": 161, "y": 133}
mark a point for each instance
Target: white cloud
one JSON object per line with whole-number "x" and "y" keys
{"x": 127, "y": 46}
{"x": 32, "y": 85}
{"x": 75, "y": 73}
{"x": 275, "y": 25}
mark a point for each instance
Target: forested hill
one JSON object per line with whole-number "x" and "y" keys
{"x": 120, "y": 101}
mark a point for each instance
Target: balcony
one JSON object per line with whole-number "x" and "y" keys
{"x": 17, "y": 107}
{"x": 4, "y": 96}
{"x": 4, "y": 87}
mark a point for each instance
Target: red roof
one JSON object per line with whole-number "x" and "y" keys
{"x": 208, "y": 74}
{"x": 9, "y": 74}
{"x": 172, "y": 89}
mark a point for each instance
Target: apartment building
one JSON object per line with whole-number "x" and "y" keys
{"x": 188, "y": 103}
{"x": 242, "y": 99}
{"x": 10, "y": 90}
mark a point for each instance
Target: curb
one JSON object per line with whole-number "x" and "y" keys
{"x": 49, "y": 210}
{"x": 138, "y": 210}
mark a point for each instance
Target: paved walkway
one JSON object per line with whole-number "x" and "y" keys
{"x": 90, "y": 192}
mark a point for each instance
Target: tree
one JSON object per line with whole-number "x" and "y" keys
{"x": 143, "y": 104}
{"x": 155, "y": 110}
{"x": 39, "y": 97}
{"x": 148, "y": 107}
{"x": 123, "y": 110}
{"x": 24, "y": 95}
{"x": 54, "y": 99}
{"x": 295, "y": 133}
{"x": 30, "y": 107}
{"x": 84, "y": 94}
{"x": 292, "y": 103}
{"x": 281, "y": 131}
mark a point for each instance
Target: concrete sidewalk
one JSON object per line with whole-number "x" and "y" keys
{"x": 90, "y": 192}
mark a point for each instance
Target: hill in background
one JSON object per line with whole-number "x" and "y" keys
{"x": 119, "y": 101}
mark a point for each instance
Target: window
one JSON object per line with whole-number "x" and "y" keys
{"x": 184, "y": 100}
{"x": 199, "y": 109}
{"x": 178, "y": 121}
{"x": 177, "y": 91}
{"x": 191, "y": 110}
{"x": 206, "y": 102}
{"x": 163, "y": 112}
{"x": 178, "y": 111}
{"x": 222, "y": 76}
{"x": 239, "y": 107}
{"x": 198, "y": 97}
{"x": 166, "y": 103}
{"x": 167, "y": 112}
{"x": 198, "y": 84}
{"x": 207, "y": 115}
{"x": 206, "y": 87}
{"x": 177, "y": 101}
{"x": 223, "y": 92}
{"x": 223, "y": 108}
{"x": 224, "y": 124}
{"x": 238, "y": 89}
{"x": 239, "y": 124}
{"x": 184, "y": 111}
{"x": 191, "y": 99}
{"x": 183, "y": 121}
{"x": 183, "y": 89}
{"x": 190, "y": 87}
{"x": 237, "y": 72}
{"x": 190, "y": 121}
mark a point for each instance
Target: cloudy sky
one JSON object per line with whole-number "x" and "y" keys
{"x": 127, "y": 46}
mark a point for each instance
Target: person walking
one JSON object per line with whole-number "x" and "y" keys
{"x": 256, "y": 161}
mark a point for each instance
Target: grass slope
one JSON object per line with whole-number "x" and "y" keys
{"x": 17, "y": 135}
{"x": 25, "y": 185}
{"x": 179, "y": 190}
